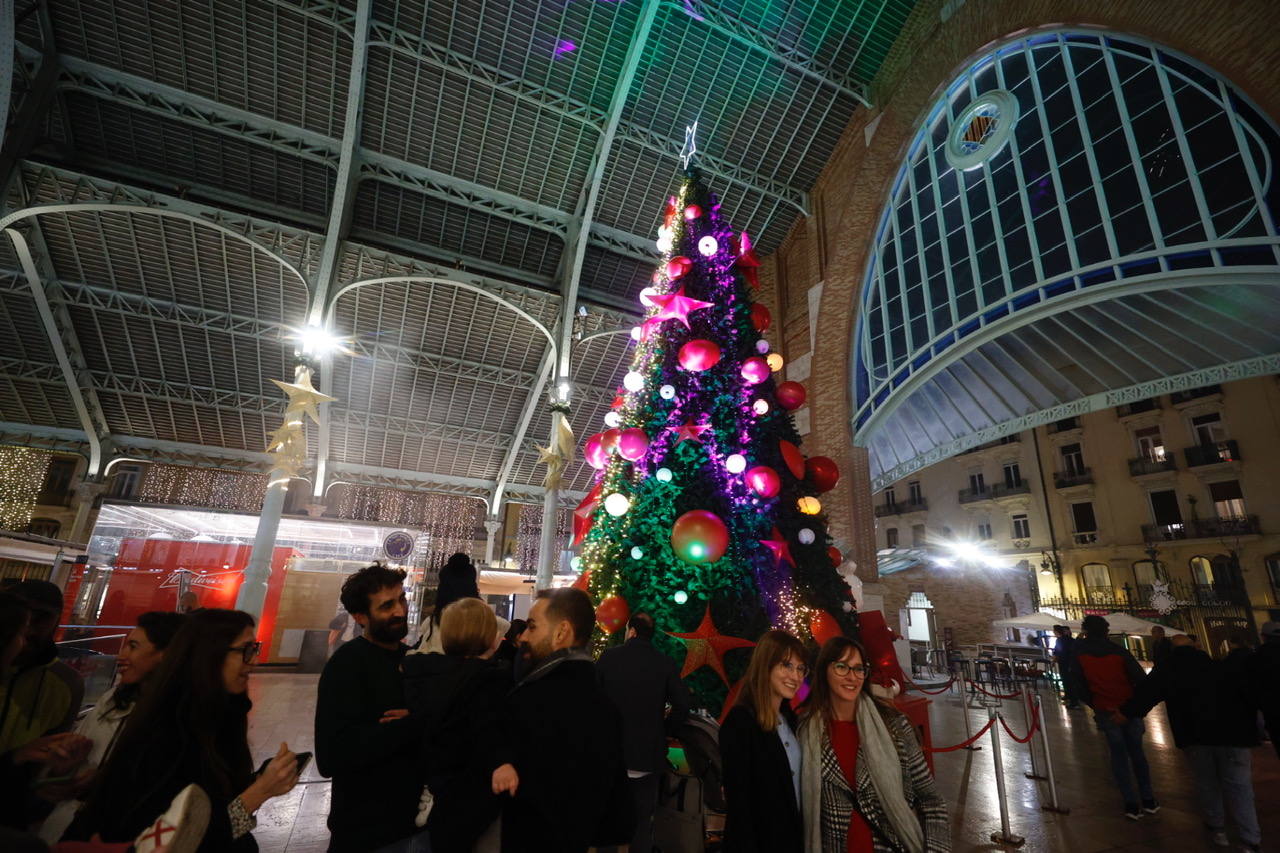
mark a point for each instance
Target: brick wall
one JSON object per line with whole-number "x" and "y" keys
{"x": 966, "y": 600}
{"x": 1237, "y": 39}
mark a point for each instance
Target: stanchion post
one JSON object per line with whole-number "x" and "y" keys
{"x": 1005, "y": 835}
{"x": 968, "y": 731}
{"x": 1028, "y": 716}
{"x": 1054, "y": 805}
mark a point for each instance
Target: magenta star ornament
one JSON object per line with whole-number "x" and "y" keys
{"x": 676, "y": 306}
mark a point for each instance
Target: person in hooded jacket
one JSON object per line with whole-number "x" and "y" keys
{"x": 40, "y": 694}
{"x": 456, "y": 695}
{"x": 1213, "y": 715}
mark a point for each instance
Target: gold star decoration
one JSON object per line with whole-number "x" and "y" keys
{"x": 304, "y": 399}
{"x": 706, "y": 647}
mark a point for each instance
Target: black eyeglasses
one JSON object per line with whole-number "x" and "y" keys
{"x": 842, "y": 669}
{"x": 249, "y": 650}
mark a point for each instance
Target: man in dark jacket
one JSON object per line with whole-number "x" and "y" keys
{"x": 642, "y": 681}
{"x": 1266, "y": 676}
{"x": 1064, "y": 653}
{"x": 1105, "y": 677}
{"x": 1161, "y": 645}
{"x": 365, "y": 739}
{"x": 559, "y": 755}
{"x": 1214, "y": 721}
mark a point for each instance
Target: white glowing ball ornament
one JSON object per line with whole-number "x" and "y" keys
{"x": 635, "y": 333}
{"x": 666, "y": 392}
{"x": 762, "y": 346}
{"x": 680, "y": 596}
{"x": 637, "y": 552}
{"x": 616, "y": 504}
{"x": 633, "y": 381}
{"x": 576, "y": 564}
{"x": 708, "y": 246}
{"x": 663, "y": 475}
{"x": 612, "y": 419}
{"x": 760, "y": 407}
{"x": 806, "y": 536}
{"x": 645, "y": 293}
{"x": 736, "y": 464}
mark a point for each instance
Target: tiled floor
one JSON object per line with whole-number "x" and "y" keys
{"x": 284, "y": 705}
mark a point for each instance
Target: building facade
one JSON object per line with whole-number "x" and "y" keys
{"x": 1103, "y": 512}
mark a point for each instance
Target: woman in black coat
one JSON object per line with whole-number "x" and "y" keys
{"x": 760, "y": 752}
{"x": 190, "y": 727}
{"x": 457, "y": 695}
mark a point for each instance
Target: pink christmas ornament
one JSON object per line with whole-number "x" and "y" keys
{"x": 633, "y": 444}
{"x": 764, "y": 481}
{"x": 699, "y": 354}
{"x": 755, "y": 370}
{"x": 593, "y": 451}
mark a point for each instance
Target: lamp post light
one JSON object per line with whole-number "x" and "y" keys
{"x": 1050, "y": 565}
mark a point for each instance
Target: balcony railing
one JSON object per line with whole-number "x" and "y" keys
{"x": 1088, "y": 538}
{"x": 901, "y": 508}
{"x": 1203, "y": 528}
{"x": 1194, "y": 393}
{"x": 968, "y": 496}
{"x": 1076, "y": 477}
{"x": 1064, "y": 425}
{"x": 1003, "y": 490}
{"x": 1212, "y": 454}
{"x": 1147, "y": 465}
{"x": 1138, "y": 407}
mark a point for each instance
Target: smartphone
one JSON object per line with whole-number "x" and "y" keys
{"x": 302, "y": 758}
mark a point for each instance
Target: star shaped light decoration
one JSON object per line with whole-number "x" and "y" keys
{"x": 675, "y": 306}
{"x": 778, "y": 546}
{"x": 706, "y": 647}
{"x": 689, "y": 431}
{"x": 304, "y": 399}
{"x": 555, "y": 462}
{"x": 690, "y": 145}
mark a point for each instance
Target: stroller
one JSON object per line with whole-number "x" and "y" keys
{"x": 685, "y": 798}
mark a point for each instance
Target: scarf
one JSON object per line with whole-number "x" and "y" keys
{"x": 879, "y": 755}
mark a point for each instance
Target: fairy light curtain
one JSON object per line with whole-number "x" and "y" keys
{"x": 22, "y": 473}
{"x": 204, "y": 487}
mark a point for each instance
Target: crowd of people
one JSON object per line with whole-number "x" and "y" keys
{"x": 491, "y": 736}
{"x": 1218, "y": 711}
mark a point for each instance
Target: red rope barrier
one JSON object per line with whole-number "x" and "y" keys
{"x": 1035, "y": 726}
{"x": 969, "y": 742}
{"x": 911, "y": 685}
{"x": 976, "y": 686}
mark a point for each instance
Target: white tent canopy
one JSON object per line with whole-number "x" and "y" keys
{"x": 1036, "y": 622}
{"x": 1123, "y": 623}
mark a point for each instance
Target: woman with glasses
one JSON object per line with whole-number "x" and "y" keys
{"x": 190, "y": 728}
{"x": 761, "y": 754}
{"x": 866, "y": 786}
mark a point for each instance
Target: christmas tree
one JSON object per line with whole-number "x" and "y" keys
{"x": 704, "y": 512}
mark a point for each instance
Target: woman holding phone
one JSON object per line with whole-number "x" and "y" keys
{"x": 190, "y": 728}
{"x": 761, "y": 754}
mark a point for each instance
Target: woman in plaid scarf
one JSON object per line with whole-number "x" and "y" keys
{"x": 865, "y": 786}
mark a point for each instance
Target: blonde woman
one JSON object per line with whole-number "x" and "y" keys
{"x": 866, "y": 787}
{"x": 456, "y": 693}
{"x": 761, "y": 754}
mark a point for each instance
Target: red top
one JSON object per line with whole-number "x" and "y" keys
{"x": 1108, "y": 680}
{"x": 845, "y": 741}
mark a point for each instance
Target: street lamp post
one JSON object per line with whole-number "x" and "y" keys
{"x": 1050, "y": 565}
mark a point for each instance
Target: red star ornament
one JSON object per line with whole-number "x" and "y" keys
{"x": 747, "y": 261}
{"x": 689, "y": 431}
{"x": 583, "y": 515}
{"x": 779, "y": 548}
{"x": 676, "y": 306}
{"x": 706, "y": 647}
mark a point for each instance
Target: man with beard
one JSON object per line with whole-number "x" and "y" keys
{"x": 365, "y": 738}
{"x": 559, "y": 749}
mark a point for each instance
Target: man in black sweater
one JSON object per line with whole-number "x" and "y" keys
{"x": 642, "y": 681}
{"x": 558, "y": 752}
{"x": 365, "y": 739}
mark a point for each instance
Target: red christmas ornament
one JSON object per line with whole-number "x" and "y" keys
{"x": 699, "y": 537}
{"x": 755, "y": 370}
{"x": 730, "y": 700}
{"x": 633, "y": 444}
{"x": 790, "y": 395}
{"x": 747, "y": 262}
{"x": 699, "y": 354}
{"x": 692, "y": 212}
{"x": 613, "y": 613}
{"x": 878, "y": 641}
{"x": 609, "y": 440}
{"x": 793, "y": 457}
{"x": 764, "y": 481}
{"x": 824, "y": 626}
{"x": 822, "y": 472}
{"x": 584, "y": 515}
{"x": 780, "y": 549}
{"x": 834, "y": 555}
{"x": 618, "y": 402}
{"x": 584, "y": 581}
{"x": 593, "y": 451}
{"x": 706, "y": 647}
{"x": 678, "y": 266}
{"x": 761, "y": 319}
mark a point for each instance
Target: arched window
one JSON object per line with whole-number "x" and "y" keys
{"x": 1201, "y": 571}
{"x": 1058, "y": 171}
{"x": 1144, "y": 573}
{"x": 1097, "y": 582}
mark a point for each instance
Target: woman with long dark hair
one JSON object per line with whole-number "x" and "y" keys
{"x": 190, "y": 727}
{"x": 140, "y": 653}
{"x": 866, "y": 787}
{"x": 761, "y": 754}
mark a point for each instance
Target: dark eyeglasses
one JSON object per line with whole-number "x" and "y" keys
{"x": 842, "y": 669}
{"x": 249, "y": 650}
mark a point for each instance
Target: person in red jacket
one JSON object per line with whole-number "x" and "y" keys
{"x": 1106, "y": 677}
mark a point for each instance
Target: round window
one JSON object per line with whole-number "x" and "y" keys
{"x": 982, "y": 129}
